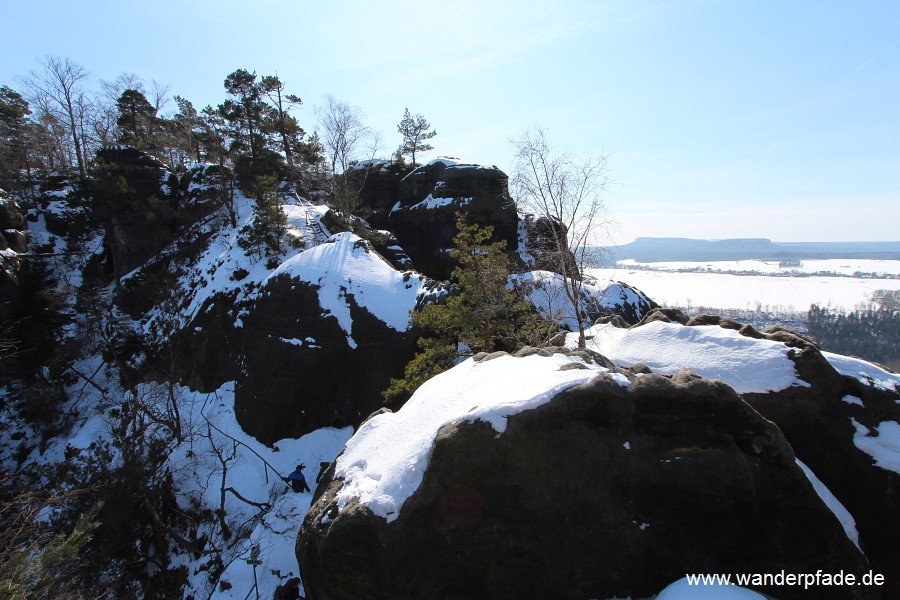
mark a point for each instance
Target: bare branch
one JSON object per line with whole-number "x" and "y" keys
{"x": 568, "y": 196}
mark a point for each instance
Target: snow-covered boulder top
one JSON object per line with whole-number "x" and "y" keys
{"x": 747, "y": 364}
{"x": 456, "y": 163}
{"x": 744, "y": 363}
{"x": 372, "y": 164}
{"x": 551, "y": 475}
{"x": 385, "y": 461}
{"x": 347, "y": 266}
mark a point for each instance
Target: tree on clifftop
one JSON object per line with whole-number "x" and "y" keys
{"x": 415, "y": 135}
{"x": 136, "y": 120}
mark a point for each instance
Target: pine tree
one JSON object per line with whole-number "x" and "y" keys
{"x": 249, "y": 127}
{"x": 484, "y": 315}
{"x": 136, "y": 121}
{"x": 13, "y": 152}
{"x": 415, "y": 135}
{"x": 266, "y": 232}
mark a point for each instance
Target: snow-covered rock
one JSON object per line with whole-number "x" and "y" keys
{"x": 851, "y": 447}
{"x": 548, "y": 474}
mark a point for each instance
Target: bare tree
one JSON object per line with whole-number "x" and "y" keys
{"x": 58, "y": 88}
{"x": 342, "y": 131}
{"x": 568, "y": 194}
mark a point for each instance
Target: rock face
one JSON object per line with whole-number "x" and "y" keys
{"x": 293, "y": 368}
{"x": 136, "y": 203}
{"x": 12, "y": 237}
{"x": 604, "y": 491}
{"x": 826, "y": 424}
{"x": 423, "y": 213}
{"x": 825, "y": 421}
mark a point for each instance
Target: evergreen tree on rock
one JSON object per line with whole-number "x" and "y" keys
{"x": 415, "y": 135}
{"x": 137, "y": 120}
{"x": 483, "y": 316}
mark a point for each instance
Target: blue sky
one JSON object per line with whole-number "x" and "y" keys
{"x": 721, "y": 118}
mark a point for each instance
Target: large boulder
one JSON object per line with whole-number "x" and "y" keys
{"x": 846, "y": 427}
{"x": 841, "y": 415}
{"x": 549, "y": 476}
{"x": 310, "y": 345}
{"x": 424, "y": 215}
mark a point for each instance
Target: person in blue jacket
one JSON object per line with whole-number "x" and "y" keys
{"x": 297, "y": 480}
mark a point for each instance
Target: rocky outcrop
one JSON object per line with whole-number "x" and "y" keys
{"x": 293, "y": 368}
{"x": 12, "y": 238}
{"x": 609, "y": 489}
{"x": 423, "y": 212}
{"x": 135, "y": 201}
{"x": 143, "y": 206}
{"x": 826, "y": 423}
{"x": 378, "y": 182}
{"x": 204, "y": 189}
{"x": 836, "y": 412}
{"x": 12, "y": 225}
{"x": 542, "y": 242}
{"x": 311, "y": 346}
{"x": 624, "y": 302}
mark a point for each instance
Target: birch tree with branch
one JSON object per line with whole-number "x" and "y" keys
{"x": 566, "y": 196}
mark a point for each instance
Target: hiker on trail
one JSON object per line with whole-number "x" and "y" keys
{"x": 297, "y": 480}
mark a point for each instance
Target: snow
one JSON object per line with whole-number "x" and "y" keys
{"x": 853, "y": 400}
{"x": 452, "y": 161}
{"x": 834, "y": 505}
{"x": 883, "y": 446}
{"x": 380, "y": 164}
{"x": 548, "y": 295}
{"x": 682, "y": 590}
{"x": 838, "y": 266}
{"x": 748, "y": 365}
{"x": 384, "y": 463}
{"x": 430, "y": 202}
{"x": 863, "y": 371}
{"x": 725, "y": 291}
{"x": 343, "y": 267}
{"x": 198, "y": 475}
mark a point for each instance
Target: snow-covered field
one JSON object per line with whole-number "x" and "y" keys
{"x": 714, "y": 288}
{"x": 838, "y": 266}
